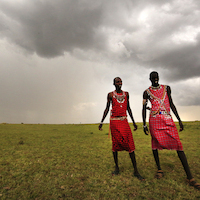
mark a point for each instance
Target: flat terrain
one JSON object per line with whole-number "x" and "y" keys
{"x": 41, "y": 161}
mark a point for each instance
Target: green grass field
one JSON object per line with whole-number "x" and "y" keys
{"x": 75, "y": 162}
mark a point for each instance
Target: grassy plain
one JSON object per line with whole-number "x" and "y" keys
{"x": 39, "y": 161}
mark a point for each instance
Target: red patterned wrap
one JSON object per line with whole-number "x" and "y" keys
{"x": 122, "y": 138}
{"x": 163, "y": 130}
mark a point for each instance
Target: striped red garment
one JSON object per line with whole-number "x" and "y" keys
{"x": 164, "y": 133}
{"x": 122, "y": 138}
{"x": 162, "y": 127}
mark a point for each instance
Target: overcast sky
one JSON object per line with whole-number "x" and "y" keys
{"x": 59, "y": 58}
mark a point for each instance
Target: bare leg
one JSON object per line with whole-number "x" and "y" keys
{"x": 115, "y": 156}
{"x": 186, "y": 167}
{"x": 132, "y": 156}
{"x": 156, "y": 157}
{"x": 136, "y": 173}
{"x": 184, "y": 162}
{"x": 159, "y": 173}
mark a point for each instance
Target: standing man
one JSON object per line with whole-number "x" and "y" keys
{"x": 122, "y": 138}
{"x": 163, "y": 131}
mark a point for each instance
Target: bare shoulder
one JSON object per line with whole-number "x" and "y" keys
{"x": 168, "y": 89}
{"x": 110, "y": 94}
{"x": 127, "y": 94}
{"x": 145, "y": 95}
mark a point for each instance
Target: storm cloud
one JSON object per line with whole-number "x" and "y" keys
{"x": 138, "y": 36}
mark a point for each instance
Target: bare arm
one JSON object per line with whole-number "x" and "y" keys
{"x": 145, "y": 100}
{"x": 130, "y": 112}
{"x": 173, "y": 107}
{"x": 109, "y": 99}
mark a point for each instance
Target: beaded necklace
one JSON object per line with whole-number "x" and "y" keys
{"x": 120, "y": 97}
{"x": 155, "y": 87}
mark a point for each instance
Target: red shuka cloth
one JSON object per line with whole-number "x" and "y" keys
{"x": 163, "y": 130}
{"x": 122, "y": 138}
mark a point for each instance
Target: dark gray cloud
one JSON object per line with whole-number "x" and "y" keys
{"x": 134, "y": 30}
{"x": 50, "y": 28}
{"x": 120, "y": 38}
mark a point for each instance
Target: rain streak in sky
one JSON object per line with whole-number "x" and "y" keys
{"x": 59, "y": 58}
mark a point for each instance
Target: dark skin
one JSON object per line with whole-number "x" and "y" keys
{"x": 154, "y": 78}
{"x": 118, "y": 85}
{"x": 154, "y": 81}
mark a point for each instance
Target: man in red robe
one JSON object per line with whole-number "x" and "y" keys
{"x": 122, "y": 138}
{"x": 163, "y": 130}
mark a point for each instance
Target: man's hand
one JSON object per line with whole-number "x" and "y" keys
{"x": 181, "y": 126}
{"x": 135, "y": 127}
{"x": 100, "y": 127}
{"x": 146, "y": 130}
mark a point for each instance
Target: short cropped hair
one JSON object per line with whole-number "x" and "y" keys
{"x": 115, "y": 79}
{"x": 151, "y": 74}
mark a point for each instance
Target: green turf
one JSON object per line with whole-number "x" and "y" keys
{"x": 75, "y": 162}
